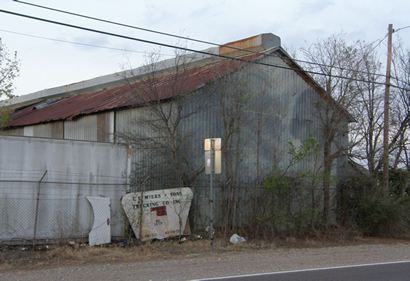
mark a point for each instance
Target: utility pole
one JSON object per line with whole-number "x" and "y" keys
{"x": 386, "y": 112}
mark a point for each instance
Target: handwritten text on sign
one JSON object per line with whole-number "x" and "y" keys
{"x": 163, "y": 213}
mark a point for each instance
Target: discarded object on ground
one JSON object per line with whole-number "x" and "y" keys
{"x": 101, "y": 230}
{"x": 163, "y": 213}
{"x": 41, "y": 248}
{"x": 196, "y": 237}
{"x": 236, "y": 239}
{"x": 73, "y": 244}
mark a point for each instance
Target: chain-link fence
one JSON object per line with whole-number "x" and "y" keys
{"x": 52, "y": 205}
{"x": 256, "y": 208}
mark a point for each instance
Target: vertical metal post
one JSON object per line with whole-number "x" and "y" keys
{"x": 141, "y": 215}
{"x": 129, "y": 169}
{"x": 36, "y": 212}
{"x": 386, "y": 113}
{"x": 211, "y": 194}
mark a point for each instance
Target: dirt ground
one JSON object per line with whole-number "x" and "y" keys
{"x": 70, "y": 254}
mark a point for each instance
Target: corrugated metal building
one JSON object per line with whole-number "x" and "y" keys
{"x": 278, "y": 106}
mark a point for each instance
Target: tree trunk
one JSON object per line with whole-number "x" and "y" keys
{"x": 327, "y": 169}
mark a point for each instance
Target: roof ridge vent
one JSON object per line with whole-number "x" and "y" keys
{"x": 256, "y": 43}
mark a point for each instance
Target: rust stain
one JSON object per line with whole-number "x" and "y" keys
{"x": 246, "y": 43}
{"x": 125, "y": 96}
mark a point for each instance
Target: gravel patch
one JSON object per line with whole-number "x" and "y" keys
{"x": 188, "y": 266}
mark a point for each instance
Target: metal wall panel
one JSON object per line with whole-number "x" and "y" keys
{"x": 12, "y": 132}
{"x": 96, "y": 127}
{"x": 279, "y": 107}
{"x": 84, "y": 128}
{"x": 75, "y": 170}
{"x": 28, "y": 131}
{"x": 49, "y": 130}
{"x": 128, "y": 122}
{"x": 105, "y": 127}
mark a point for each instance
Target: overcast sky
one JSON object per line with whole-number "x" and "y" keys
{"x": 45, "y": 63}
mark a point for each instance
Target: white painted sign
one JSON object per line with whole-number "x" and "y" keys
{"x": 212, "y": 147}
{"x": 101, "y": 230}
{"x": 217, "y": 144}
{"x": 158, "y": 213}
{"x": 217, "y": 162}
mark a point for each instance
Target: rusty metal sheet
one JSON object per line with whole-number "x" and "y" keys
{"x": 246, "y": 43}
{"x": 125, "y": 96}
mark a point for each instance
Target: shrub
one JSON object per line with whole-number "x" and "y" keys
{"x": 363, "y": 206}
{"x": 290, "y": 199}
{"x": 290, "y": 207}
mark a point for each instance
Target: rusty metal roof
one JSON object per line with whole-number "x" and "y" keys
{"x": 126, "y": 95}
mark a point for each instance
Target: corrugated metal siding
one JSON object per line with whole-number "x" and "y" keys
{"x": 150, "y": 168}
{"x": 105, "y": 127}
{"x": 295, "y": 101}
{"x": 12, "y": 132}
{"x": 64, "y": 212}
{"x": 49, "y": 130}
{"x": 28, "y": 131}
{"x": 128, "y": 121}
{"x": 131, "y": 127}
{"x": 97, "y": 127}
{"x": 286, "y": 109}
{"x": 280, "y": 108}
{"x": 84, "y": 128}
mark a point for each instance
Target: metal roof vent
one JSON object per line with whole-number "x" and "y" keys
{"x": 255, "y": 43}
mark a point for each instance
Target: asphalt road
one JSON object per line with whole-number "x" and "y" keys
{"x": 319, "y": 264}
{"x": 394, "y": 271}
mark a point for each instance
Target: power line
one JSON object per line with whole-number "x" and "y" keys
{"x": 137, "y": 39}
{"x": 377, "y": 45}
{"x": 184, "y": 48}
{"x": 357, "y": 71}
{"x": 401, "y": 28}
{"x": 187, "y": 38}
{"x": 192, "y": 39}
{"x": 118, "y": 23}
{"x": 75, "y": 43}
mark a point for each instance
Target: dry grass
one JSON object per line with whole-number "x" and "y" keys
{"x": 18, "y": 257}
{"x": 13, "y": 258}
